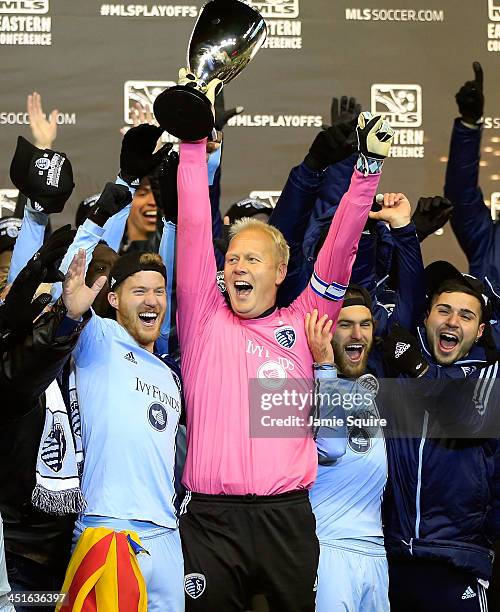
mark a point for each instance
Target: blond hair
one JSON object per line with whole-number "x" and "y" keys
{"x": 248, "y": 223}
{"x": 151, "y": 258}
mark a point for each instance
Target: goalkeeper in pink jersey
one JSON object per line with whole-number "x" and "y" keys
{"x": 247, "y": 526}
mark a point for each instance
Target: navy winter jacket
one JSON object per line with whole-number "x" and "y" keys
{"x": 439, "y": 503}
{"x": 476, "y": 232}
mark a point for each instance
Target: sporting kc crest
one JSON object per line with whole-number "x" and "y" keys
{"x": 194, "y": 585}
{"x": 285, "y": 336}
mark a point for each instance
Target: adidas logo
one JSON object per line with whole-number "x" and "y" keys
{"x": 401, "y": 348}
{"x": 130, "y": 357}
{"x": 469, "y": 593}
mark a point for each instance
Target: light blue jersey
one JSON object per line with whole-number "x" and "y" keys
{"x": 346, "y": 499}
{"x": 347, "y": 495}
{"x": 130, "y": 405}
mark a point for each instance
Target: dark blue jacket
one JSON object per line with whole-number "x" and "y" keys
{"x": 304, "y": 214}
{"x": 476, "y": 232}
{"x": 439, "y": 500}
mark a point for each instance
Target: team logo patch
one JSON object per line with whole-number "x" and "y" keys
{"x": 194, "y": 585}
{"x": 285, "y": 336}
{"x": 43, "y": 163}
{"x": 157, "y": 416}
{"x": 54, "y": 448}
{"x": 359, "y": 440}
{"x": 271, "y": 375}
{"x": 369, "y": 382}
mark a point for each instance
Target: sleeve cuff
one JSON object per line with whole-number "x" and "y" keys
{"x": 93, "y": 228}
{"x": 193, "y": 152}
{"x": 67, "y": 327}
{"x": 324, "y": 371}
{"x": 406, "y": 230}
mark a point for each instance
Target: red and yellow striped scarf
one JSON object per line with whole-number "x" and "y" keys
{"x": 103, "y": 574}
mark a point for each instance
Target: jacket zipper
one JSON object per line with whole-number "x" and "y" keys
{"x": 419, "y": 474}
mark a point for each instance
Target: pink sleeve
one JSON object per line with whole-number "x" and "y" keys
{"x": 332, "y": 270}
{"x": 197, "y": 292}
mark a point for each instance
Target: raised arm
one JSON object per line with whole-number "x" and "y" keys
{"x": 110, "y": 203}
{"x": 471, "y": 220}
{"x": 331, "y": 434}
{"x": 410, "y": 295}
{"x": 197, "y": 293}
{"x": 333, "y": 267}
{"x": 299, "y": 197}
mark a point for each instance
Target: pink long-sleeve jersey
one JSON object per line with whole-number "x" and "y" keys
{"x": 222, "y": 353}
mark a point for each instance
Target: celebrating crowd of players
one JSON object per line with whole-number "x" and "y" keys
{"x": 135, "y": 474}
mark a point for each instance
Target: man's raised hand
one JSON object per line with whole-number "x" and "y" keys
{"x": 396, "y": 210}
{"x": 319, "y": 337}
{"x": 470, "y": 98}
{"x": 76, "y": 296}
{"x": 374, "y": 141}
{"x": 44, "y": 130}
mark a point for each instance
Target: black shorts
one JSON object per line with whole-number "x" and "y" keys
{"x": 238, "y": 546}
{"x": 424, "y": 585}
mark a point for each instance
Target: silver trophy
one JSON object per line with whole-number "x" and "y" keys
{"x": 226, "y": 36}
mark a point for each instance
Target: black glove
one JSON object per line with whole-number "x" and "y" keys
{"x": 164, "y": 186}
{"x": 137, "y": 158}
{"x": 346, "y": 110}
{"x": 112, "y": 199}
{"x": 222, "y": 115}
{"x": 430, "y": 215}
{"x": 470, "y": 98}
{"x": 331, "y": 146}
{"x": 370, "y": 225}
{"x": 402, "y": 353}
{"x": 18, "y": 312}
{"x": 222, "y": 243}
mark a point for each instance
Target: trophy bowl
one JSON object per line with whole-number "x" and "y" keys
{"x": 225, "y": 38}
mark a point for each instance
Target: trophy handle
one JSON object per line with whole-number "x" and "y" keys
{"x": 184, "y": 112}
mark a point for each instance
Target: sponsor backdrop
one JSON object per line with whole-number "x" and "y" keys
{"x": 404, "y": 58}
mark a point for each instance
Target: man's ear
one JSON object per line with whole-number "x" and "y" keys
{"x": 480, "y": 331}
{"x": 426, "y": 317}
{"x": 113, "y": 299}
{"x": 281, "y": 273}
